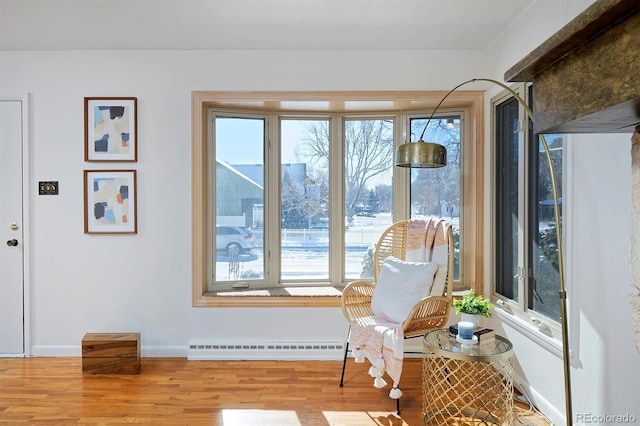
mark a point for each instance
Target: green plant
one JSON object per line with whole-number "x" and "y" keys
{"x": 472, "y": 304}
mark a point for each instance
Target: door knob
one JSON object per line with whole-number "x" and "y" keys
{"x": 12, "y": 243}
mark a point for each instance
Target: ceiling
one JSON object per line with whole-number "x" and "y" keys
{"x": 254, "y": 24}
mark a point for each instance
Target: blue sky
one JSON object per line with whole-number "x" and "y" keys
{"x": 240, "y": 141}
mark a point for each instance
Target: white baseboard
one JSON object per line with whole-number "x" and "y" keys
{"x": 76, "y": 351}
{"x": 56, "y": 350}
{"x": 539, "y": 401}
{"x": 164, "y": 351}
{"x": 207, "y": 350}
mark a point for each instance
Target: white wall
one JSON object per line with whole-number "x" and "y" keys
{"x": 148, "y": 286}
{"x": 601, "y": 336}
{"x": 534, "y": 25}
{"x": 597, "y": 202}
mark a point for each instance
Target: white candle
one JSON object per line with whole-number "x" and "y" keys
{"x": 465, "y": 330}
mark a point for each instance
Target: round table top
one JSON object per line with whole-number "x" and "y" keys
{"x": 441, "y": 343}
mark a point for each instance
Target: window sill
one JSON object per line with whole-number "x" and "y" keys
{"x": 551, "y": 344}
{"x": 282, "y": 296}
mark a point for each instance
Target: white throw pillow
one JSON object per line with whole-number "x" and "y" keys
{"x": 400, "y": 286}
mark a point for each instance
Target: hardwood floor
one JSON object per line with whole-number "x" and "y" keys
{"x": 174, "y": 391}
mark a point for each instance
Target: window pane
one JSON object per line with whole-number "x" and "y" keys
{"x": 544, "y": 282}
{"x": 304, "y": 204}
{"x": 437, "y": 192}
{"x": 507, "y": 219}
{"x": 239, "y": 199}
{"x": 368, "y": 168}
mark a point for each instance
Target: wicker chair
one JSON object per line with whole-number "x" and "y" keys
{"x": 428, "y": 314}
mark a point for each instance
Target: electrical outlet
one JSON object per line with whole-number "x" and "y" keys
{"x": 48, "y": 188}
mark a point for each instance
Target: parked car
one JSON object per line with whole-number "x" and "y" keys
{"x": 229, "y": 236}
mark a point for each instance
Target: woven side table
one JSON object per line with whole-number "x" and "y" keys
{"x": 467, "y": 384}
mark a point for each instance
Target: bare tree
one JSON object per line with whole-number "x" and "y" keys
{"x": 303, "y": 202}
{"x": 385, "y": 197}
{"x": 433, "y": 188}
{"x": 368, "y": 148}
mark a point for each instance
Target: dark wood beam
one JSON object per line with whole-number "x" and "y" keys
{"x": 586, "y": 77}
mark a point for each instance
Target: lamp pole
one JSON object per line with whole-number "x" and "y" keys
{"x": 562, "y": 292}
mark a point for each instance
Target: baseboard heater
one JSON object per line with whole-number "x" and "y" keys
{"x": 211, "y": 350}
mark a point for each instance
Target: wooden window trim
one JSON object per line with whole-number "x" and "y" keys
{"x": 344, "y": 101}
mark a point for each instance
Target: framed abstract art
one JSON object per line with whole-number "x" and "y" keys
{"x": 110, "y": 202}
{"x": 110, "y": 129}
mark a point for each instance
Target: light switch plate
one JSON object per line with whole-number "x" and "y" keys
{"x": 48, "y": 188}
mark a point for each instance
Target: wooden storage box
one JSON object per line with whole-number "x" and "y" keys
{"x": 111, "y": 353}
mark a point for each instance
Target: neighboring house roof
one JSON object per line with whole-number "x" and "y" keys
{"x": 296, "y": 171}
{"x": 240, "y": 174}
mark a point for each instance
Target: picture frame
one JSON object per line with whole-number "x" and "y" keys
{"x": 111, "y": 129}
{"x": 110, "y": 202}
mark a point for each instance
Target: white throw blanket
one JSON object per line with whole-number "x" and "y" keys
{"x": 382, "y": 343}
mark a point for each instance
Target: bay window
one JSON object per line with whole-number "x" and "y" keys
{"x": 291, "y": 200}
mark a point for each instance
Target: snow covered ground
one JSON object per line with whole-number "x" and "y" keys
{"x": 305, "y": 252}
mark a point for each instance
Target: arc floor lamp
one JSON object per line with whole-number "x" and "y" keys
{"x": 423, "y": 154}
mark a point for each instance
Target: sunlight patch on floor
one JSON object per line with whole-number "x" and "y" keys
{"x": 238, "y": 417}
{"x": 364, "y": 418}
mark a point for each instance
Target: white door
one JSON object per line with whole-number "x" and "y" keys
{"x": 11, "y": 233}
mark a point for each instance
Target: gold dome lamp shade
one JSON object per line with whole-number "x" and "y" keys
{"x": 421, "y": 154}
